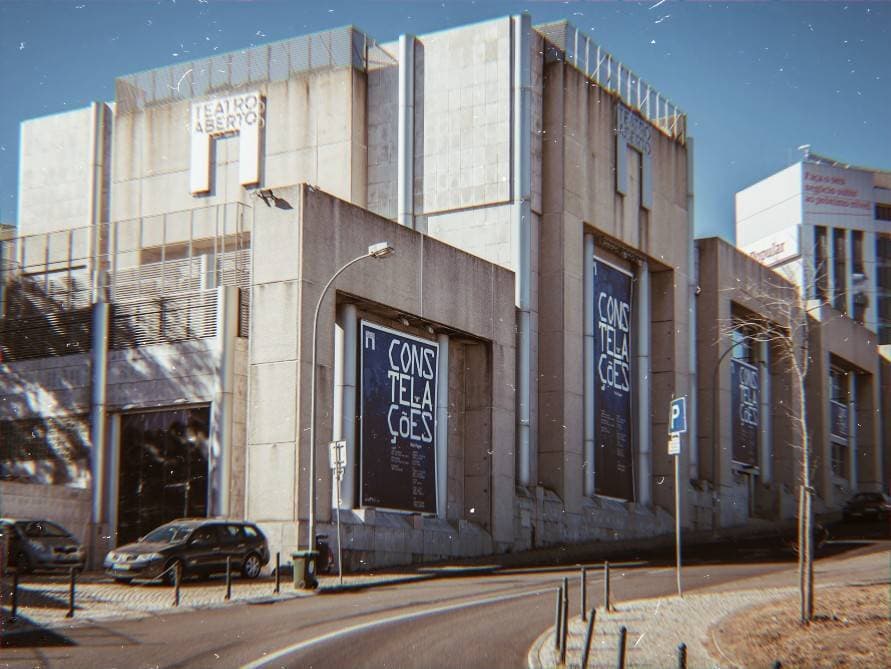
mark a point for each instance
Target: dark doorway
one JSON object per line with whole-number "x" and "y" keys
{"x": 163, "y": 471}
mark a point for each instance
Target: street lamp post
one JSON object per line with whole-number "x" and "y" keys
{"x": 379, "y": 250}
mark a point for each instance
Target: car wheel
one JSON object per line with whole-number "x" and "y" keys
{"x": 251, "y": 566}
{"x": 170, "y": 572}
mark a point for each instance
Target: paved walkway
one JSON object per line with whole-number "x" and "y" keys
{"x": 655, "y": 627}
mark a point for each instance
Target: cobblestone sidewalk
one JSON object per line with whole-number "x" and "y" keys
{"x": 43, "y": 601}
{"x": 656, "y": 627}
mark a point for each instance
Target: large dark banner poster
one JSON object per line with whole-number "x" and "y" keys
{"x": 745, "y": 403}
{"x": 614, "y": 473}
{"x": 398, "y": 408}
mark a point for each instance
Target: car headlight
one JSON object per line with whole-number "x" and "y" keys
{"x": 147, "y": 557}
{"x": 111, "y": 556}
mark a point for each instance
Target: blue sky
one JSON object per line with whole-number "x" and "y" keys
{"x": 757, "y": 79}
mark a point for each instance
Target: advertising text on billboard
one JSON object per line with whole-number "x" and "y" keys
{"x": 398, "y": 409}
{"x": 614, "y": 475}
{"x": 745, "y": 402}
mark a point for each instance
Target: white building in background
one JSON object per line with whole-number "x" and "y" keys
{"x": 827, "y": 225}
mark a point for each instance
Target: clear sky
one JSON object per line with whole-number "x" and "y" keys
{"x": 757, "y": 79}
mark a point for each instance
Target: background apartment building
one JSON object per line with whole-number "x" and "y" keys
{"x": 828, "y": 226}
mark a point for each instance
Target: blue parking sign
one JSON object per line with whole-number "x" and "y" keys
{"x": 677, "y": 421}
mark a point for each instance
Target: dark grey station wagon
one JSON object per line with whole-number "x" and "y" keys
{"x": 199, "y": 546}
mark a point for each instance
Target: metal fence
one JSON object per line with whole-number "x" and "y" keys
{"x": 580, "y": 51}
{"x": 278, "y": 61}
{"x": 160, "y": 273}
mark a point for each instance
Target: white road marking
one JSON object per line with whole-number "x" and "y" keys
{"x": 303, "y": 645}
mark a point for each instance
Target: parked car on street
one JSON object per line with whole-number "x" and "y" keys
{"x": 41, "y": 545}
{"x": 868, "y": 506}
{"x": 199, "y": 546}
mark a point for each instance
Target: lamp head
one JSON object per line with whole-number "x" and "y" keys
{"x": 380, "y": 250}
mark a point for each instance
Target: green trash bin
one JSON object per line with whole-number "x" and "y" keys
{"x": 305, "y": 569}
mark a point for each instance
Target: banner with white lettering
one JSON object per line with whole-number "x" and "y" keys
{"x": 613, "y": 460}
{"x": 398, "y": 409}
{"x": 745, "y": 403}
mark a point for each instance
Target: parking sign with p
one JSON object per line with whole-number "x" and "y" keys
{"x": 677, "y": 422}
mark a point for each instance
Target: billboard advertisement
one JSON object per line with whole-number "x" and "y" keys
{"x": 836, "y": 191}
{"x": 838, "y": 419}
{"x": 397, "y": 412}
{"x": 745, "y": 403}
{"x": 613, "y": 462}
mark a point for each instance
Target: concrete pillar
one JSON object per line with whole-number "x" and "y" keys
{"x": 589, "y": 365}
{"x": 849, "y": 271}
{"x": 405, "y": 150}
{"x": 853, "y": 428}
{"x": 644, "y": 383}
{"x": 442, "y": 427}
{"x": 872, "y": 283}
{"x": 765, "y": 455}
{"x": 345, "y": 373}
{"x": 830, "y": 260}
{"x": 222, "y": 407}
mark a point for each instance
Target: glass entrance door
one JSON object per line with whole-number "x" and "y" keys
{"x": 163, "y": 469}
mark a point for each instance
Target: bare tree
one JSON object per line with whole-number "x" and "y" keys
{"x": 777, "y": 312}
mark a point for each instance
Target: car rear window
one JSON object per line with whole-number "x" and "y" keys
{"x": 251, "y": 531}
{"x": 233, "y": 532}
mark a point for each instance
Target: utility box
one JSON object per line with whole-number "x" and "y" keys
{"x": 305, "y": 569}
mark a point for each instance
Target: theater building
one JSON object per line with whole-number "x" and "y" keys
{"x": 500, "y": 381}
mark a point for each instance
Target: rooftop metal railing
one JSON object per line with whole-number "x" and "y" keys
{"x": 583, "y": 53}
{"x": 278, "y": 61}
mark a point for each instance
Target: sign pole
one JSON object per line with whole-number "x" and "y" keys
{"x": 337, "y": 460}
{"x": 338, "y": 475}
{"x": 677, "y": 421}
{"x": 677, "y": 518}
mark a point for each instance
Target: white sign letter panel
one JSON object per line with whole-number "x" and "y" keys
{"x": 240, "y": 114}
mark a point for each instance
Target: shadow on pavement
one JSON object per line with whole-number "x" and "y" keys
{"x": 26, "y": 634}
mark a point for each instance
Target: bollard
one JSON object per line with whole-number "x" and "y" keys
{"x": 278, "y": 570}
{"x": 71, "y": 581}
{"x": 557, "y": 615}
{"x": 682, "y": 656}
{"x": 583, "y": 601}
{"x": 606, "y": 586}
{"x": 589, "y": 632}
{"x": 15, "y": 593}
{"x": 777, "y": 665}
{"x": 621, "y": 659}
{"x": 177, "y": 576}
{"x": 228, "y": 578}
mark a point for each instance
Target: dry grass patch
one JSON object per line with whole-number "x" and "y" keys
{"x": 852, "y": 630}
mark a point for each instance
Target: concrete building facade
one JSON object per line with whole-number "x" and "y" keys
{"x": 762, "y": 347}
{"x": 158, "y": 332}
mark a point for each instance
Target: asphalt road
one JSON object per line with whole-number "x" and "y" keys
{"x": 481, "y": 621}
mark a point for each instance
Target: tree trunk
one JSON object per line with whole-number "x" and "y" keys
{"x": 800, "y": 550}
